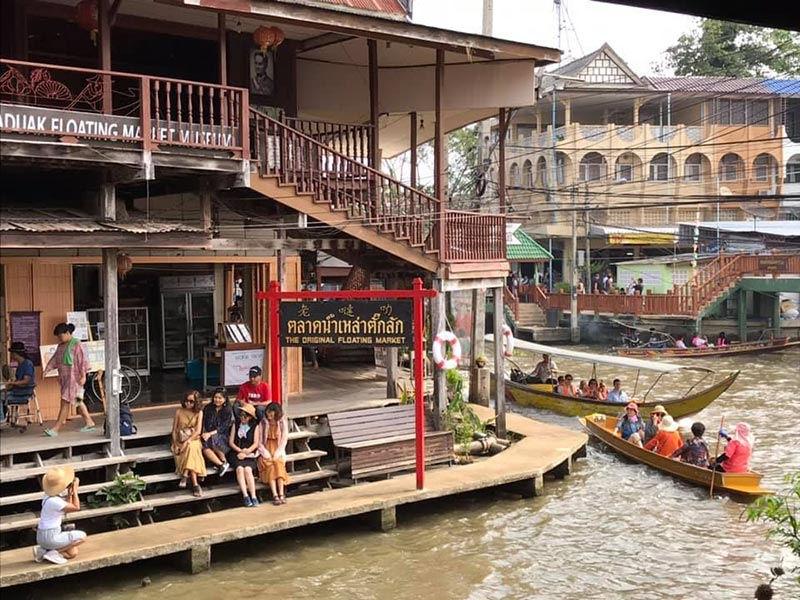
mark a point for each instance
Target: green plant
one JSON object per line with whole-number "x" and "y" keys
{"x": 125, "y": 489}
{"x": 459, "y": 416}
{"x": 782, "y": 512}
{"x": 406, "y": 395}
{"x": 563, "y": 287}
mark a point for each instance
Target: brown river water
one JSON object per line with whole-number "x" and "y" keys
{"x": 613, "y": 529}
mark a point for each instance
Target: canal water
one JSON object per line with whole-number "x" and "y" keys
{"x": 612, "y": 530}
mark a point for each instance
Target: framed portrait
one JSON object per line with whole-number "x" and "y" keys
{"x": 262, "y": 72}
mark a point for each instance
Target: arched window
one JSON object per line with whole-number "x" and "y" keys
{"x": 662, "y": 166}
{"x": 527, "y": 174}
{"x": 628, "y": 167}
{"x": 765, "y": 168}
{"x": 513, "y": 175}
{"x": 731, "y": 167}
{"x": 542, "y": 176}
{"x": 696, "y": 168}
{"x": 793, "y": 169}
{"x": 592, "y": 167}
{"x": 563, "y": 166}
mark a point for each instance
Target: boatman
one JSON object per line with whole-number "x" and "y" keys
{"x": 545, "y": 371}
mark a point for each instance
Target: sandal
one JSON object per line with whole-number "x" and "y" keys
{"x": 197, "y": 491}
{"x": 283, "y": 499}
{"x": 51, "y": 433}
{"x": 182, "y": 483}
{"x": 276, "y": 501}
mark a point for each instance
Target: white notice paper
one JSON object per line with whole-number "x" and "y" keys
{"x": 238, "y": 363}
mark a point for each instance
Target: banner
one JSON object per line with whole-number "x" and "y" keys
{"x": 346, "y": 323}
{"x": 95, "y": 356}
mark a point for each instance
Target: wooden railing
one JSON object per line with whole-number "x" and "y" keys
{"x": 371, "y": 197}
{"x": 511, "y": 300}
{"x": 354, "y": 140}
{"x": 113, "y": 106}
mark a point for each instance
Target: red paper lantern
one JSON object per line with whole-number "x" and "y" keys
{"x": 86, "y": 16}
{"x": 268, "y": 37}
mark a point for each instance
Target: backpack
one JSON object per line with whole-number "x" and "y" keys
{"x": 126, "y": 426}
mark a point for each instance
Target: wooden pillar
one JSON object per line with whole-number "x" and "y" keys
{"x": 374, "y": 102}
{"x": 222, "y": 45}
{"x": 776, "y": 313}
{"x": 413, "y": 144}
{"x": 206, "y": 206}
{"x": 567, "y": 113}
{"x": 501, "y": 160}
{"x": 478, "y": 327}
{"x": 104, "y": 29}
{"x": 741, "y": 314}
{"x": 438, "y": 324}
{"x": 439, "y": 159}
{"x": 281, "y": 262}
{"x": 108, "y": 210}
{"x": 499, "y": 363}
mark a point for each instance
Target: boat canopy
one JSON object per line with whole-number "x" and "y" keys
{"x": 620, "y": 361}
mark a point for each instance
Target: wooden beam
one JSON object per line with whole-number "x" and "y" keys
{"x": 112, "y": 12}
{"x": 108, "y": 212}
{"x": 438, "y": 324}
{"x": 206, "y": 202}
{"x": 374, "y": 102}
{"x": 98, "y": 240}
{"x": 439, "y": 160}
{"x": 104, "y": 30}
{"x": 222, "y": 46}
{"x": 413, "y": 143}
{"x": 320, "y": 41}
{"x": 499, "y": 363}
{"x": 280, "y": 261}
{"x": 501, "y": 160}
{"x": 223, "y": 244}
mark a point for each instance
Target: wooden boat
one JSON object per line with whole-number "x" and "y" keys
{"x": 741, "y": 484}
{"x": 542, "y": 396}
{"x": 773, "y": 345}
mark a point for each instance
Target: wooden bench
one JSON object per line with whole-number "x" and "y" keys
{"x": 381, "y": 441}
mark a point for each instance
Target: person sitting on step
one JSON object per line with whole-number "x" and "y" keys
{"x": 217, "y": 422}
{"x": 244, "y": 443}
{"x": 273, "y": 435}
{"x": 667, "y": 440}
{"x": 61, "y": 497}
{"x": 187, "y": 427}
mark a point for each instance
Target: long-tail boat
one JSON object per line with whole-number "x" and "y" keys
{"x": 692, "y": 401}
{"x": 761, "y": 346}
{"x": 747, "y": 485}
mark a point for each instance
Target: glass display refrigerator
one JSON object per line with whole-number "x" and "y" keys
{"x": 187, "y": 318}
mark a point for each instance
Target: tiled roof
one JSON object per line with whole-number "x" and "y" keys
{"x": 392, "y": 9}
{"x": 727, "y": 85}
{"x": 69, "y": 221}
{"x": 525, "y": 248}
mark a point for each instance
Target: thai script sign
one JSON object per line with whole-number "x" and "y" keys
{"x": 25, "y": 328}
{"x": 49, "y": 121}
{"x": 346, "y": 323}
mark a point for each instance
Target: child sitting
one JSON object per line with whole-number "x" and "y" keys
{"x": 695, "y": 451}
{"x": 61, "y": 497}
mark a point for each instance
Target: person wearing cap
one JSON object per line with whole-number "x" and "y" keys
{"x": 630, "y": 425}
{"x": 243, "y": 442}
{"x": 255, "y": 391}
{"x": 667, "y": 440}
{"x": 738, "y": 450}
{"x": 61, "y": 497}
{"x": 617, "y": 395}
{"x": 653, "y": 421}
{"x": 20, "y": 389}
{"x": 695, "y": 450}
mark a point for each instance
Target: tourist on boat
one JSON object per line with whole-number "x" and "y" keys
{"x": 559, "y": 383}
{"x": 667, "y": 440}
{"x": 694, "y": 451}
{"x": 565, "y": 387}
{"x": 679, "y": 343}
{"x": 60, "y": 497}
{"x": 70, "y": 362}
{"x": 653, "y": 422}
{"x": 617, "y": 395}
{"x": 698, "y": 341}
{"x": 722, "y": 340}
{"x": 187, "y": 427}
{"x": 591, "y": 389}
{"x": 217, "y": 422}
{"x": 583, "y": 389}
{"x": 545, "y": 371}
{"x": 254, "y": 391}
{"x": 738, "y": 450}
{"x": 273, "y": 435}
{"x": 630, "y": 425}
{"x": 602, "y": 391}
{"x": 244, "y": 443}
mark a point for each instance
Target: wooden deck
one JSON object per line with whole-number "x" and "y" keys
{"x": 544, "y": 449}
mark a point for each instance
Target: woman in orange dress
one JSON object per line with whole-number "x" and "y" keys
{"x": 273, "y": 433}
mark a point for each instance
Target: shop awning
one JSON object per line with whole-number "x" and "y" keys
{"x": 520, "y": 247}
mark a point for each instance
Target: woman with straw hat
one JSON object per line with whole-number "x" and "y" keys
{"x": 61, "y": 497}
{"x": 653, "y": 421}
{"x": 667, "y": 440}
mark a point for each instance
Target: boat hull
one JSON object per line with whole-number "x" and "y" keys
{"x": 741, "y": 484}
{"x": 732, "y": 350}
{"x": 540, "y": 397}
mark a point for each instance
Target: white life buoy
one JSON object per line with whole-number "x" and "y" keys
{"x": 508, "y": 341}
{"x": 449, "y": 338}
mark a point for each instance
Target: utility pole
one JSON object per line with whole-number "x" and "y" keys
{"x": 488, "y": 17}
{"x": 574, "y": 327}
{"x": 554, "y": 179}
{"x": 587, "y": 259}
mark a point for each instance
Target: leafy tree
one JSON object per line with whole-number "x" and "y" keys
{"x": 734, "y": 50}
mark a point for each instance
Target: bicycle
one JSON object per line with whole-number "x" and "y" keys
{"x": 130, "y": 388}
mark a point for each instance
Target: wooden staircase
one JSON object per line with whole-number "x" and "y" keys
{"x": 314, "y": 178}
{"x": 530, "y": 314}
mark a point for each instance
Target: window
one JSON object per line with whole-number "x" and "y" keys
{"x": 694, "y": 169}
{"x": 562, "y": 163}
{"x": 524, "y": 133}
{"x": 592, "y": 167}
{"x": 758, "y": 112}
{"x": 738, "y": 112}
{"x": 542, "y": 176}
{"x": 722, "y": 111}
{"x": 660, "y": 167}
{"x": 764, "y": 167}
{"x": 793, "y": 169}
{"x": 731, "y": 167}
{"x": 527, "y": 174}
{"x": 513, "y": 175}
{"x": 626, "y": 167}
{"x": 624, "y": 172}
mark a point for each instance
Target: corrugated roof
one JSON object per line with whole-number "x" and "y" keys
{"x": 522, "y": 247}
{"x": 392, "y": 9}
{"x": 727, "y": 85}
{"x": 68, "y": 221}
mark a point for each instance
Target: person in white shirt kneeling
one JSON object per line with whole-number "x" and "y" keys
{"x": 61, "y": 497}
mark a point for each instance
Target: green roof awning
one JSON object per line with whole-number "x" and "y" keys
{"x": 520, "y": 247}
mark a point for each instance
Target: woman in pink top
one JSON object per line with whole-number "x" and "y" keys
{"x": 738, "y": 450}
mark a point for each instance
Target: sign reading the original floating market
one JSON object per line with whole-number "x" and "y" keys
{"x": 346, "y": 323}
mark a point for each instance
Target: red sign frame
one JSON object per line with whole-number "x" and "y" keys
{"x": 417, "y": 295}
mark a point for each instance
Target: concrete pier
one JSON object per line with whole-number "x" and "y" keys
{"x": 544, "y": 449}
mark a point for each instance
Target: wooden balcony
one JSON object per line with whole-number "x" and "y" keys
{"x": 108, "y": 116}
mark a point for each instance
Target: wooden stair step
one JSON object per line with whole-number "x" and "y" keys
{"x": 7, "y": 475}
{"x": 308, "y": 454}
{"x": 29, "y": 519}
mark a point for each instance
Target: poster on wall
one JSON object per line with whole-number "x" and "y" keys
{"x": 262, "y": 72}
{"x": 95, "y": 355}
{"x": 80, "y": 319}
{"x": 25, "y": 328}
{"x": 237, "y": 365}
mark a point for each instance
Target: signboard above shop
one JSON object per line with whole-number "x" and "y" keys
{"x": 346, "y": 323}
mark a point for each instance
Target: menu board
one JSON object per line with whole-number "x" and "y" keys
{"x": 25, "y": 328}
{"x": 95, "y": 355}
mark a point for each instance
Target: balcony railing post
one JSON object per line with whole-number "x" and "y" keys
{"x": 244, "y": 125}
{"x": 145, "y": 116}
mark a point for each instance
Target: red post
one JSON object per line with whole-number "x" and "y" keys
{"x": 419, "y": 379}
{"x": 274, "y": 308}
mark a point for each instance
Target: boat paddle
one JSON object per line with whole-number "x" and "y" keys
{"x": 716, "y": 453}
